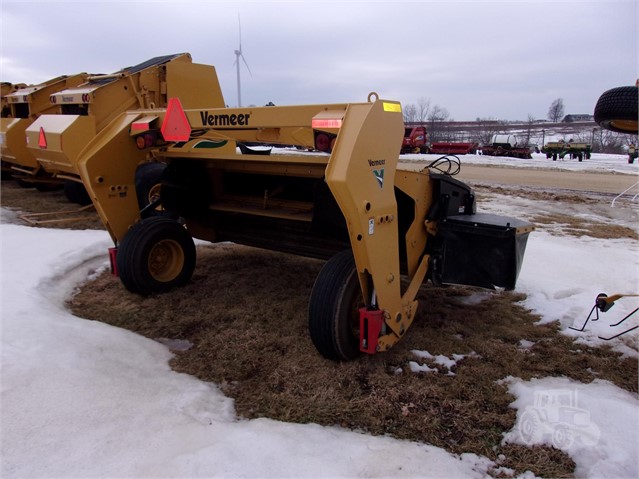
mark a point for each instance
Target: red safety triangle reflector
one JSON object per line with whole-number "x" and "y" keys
{"x": 42, "y": 140}
{"x": 175, "y": 126}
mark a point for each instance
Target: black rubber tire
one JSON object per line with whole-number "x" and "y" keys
{"x": 148, "y": 178}
{"x": 156, "y": 255}
{"x": 24, "y": 183}
{"x": 617, "y": 110}
{"x": 76, "y": 193}
{"x": 333, "y": 310}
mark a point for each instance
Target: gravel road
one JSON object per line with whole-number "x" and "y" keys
{"x": 597, "y": 182}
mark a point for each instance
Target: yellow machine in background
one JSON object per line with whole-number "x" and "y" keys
{"x": 23, "y": 107}
{"x": 80, "y": 112}
{"x": 5, "y": 89}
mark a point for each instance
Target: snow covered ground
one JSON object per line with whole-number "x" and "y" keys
{"x": 599, "y": 162}
{"x": 84, "y": 399}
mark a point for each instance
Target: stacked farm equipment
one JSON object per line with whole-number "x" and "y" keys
{"x": 55, "y": 140}
{"x": 23, "y": 107}
{"x": 5, "y": 89}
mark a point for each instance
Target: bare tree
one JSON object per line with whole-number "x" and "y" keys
{"x": 436, "y": 116}
{"x": 556, "y": 110}
{"x": 527, "y": 133}
{"x": 486, "y": 129}
{"x": 605, "y": 141}
{"x": 610, "y": 141}
{"x": 423, "y": 108}
{"x": 410, "y": 113}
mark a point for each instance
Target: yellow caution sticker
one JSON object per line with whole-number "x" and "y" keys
{"x": 396, "y": 107}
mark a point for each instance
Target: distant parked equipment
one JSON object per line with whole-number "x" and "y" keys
{"x": 506, "y": 145}
{"x": 453, "y": 148}
{"x": 415, "y": 140}
{"x": 561, "y": 149}
{"x": 573, "y": 118}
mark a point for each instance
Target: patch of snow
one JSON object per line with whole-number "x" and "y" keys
{"x": 475, "y": 298}
{"x": 525, "y": 344}
{"x": 420, "y": 368}
{"x": 439, "y": 359}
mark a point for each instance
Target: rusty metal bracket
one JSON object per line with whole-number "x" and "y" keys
{"x": 34, "y": 218}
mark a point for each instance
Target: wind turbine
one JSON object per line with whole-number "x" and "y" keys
{"x": 238, "y": 55}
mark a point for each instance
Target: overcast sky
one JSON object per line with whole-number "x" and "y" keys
{"x": 500, "y": 59}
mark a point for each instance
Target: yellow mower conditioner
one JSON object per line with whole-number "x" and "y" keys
{"x": 372, "y": 220}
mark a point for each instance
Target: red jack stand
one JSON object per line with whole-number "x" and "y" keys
{"x": 370, "y": 325}
{"x": 113, "y": 254}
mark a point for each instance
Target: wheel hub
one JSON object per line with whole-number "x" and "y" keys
{"x": 166, "y": 260}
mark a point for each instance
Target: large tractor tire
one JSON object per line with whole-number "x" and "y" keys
{"x": 616, "y": 110}
{"x": 148, "y": 179}
{"x": 156, "y": 255}
{"x": 333, "y": 312}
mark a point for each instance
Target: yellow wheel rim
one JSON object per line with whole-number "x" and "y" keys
{"x": 626, "y": 125}
{"x": 166, "y": 260}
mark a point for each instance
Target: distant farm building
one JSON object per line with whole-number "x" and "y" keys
{"x": 580, "y": 117}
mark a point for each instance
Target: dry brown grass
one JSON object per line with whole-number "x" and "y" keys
{"x": 575, "y": 226}
{"x": 30, "y": 200}
{"x": 542, "y": 195}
